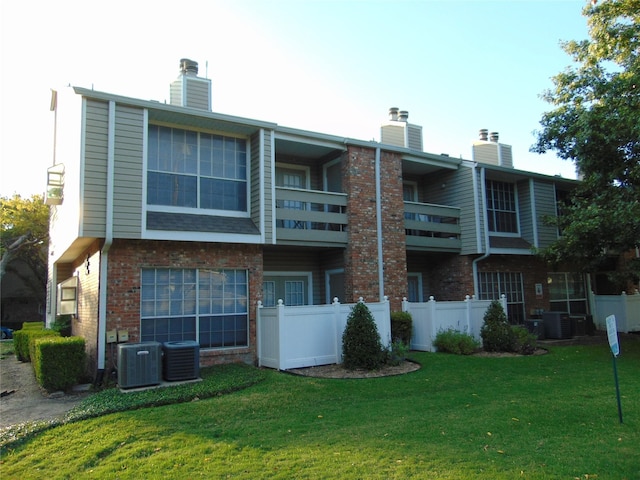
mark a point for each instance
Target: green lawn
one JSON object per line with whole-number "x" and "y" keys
{"x": 542, "y": 417}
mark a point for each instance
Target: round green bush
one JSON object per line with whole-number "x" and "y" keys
{"x": 496, "y": 332}
{"x": 361, "y": 345}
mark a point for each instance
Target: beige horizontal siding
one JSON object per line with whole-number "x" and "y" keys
{"x": 128, "y": 172}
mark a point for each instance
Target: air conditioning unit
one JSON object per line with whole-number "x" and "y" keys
{"x": 181, "y": 360}
{"x": 557, "y": 325}
{"x": 139, "y": 364}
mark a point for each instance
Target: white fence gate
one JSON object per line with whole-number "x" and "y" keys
{"x": 431, "y": 317}
{"x": 625, "y": 307}
{"x": 310, "y": 335}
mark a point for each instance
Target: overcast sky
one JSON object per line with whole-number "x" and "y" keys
{"x": 328, "y": 66}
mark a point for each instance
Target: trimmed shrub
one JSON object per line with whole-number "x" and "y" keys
{"x": 401, "y": 327}
{"x": 30, "y": 325}
{"x": 361, "y": 345}
{"x": 62, "y": 325}
{"x": 453, "y": 341}
{"x": 23, "y": 341}
{"x": 524, "y": 342}
{"x": 496, "y": 332}
{"x": 58, "y": 362}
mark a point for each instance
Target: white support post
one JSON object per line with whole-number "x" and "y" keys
{"x": 337, "y": 335}
{"x": 282, "y": 343}
{"x": 467, "y": 303}
{"x": 259, "y": 328}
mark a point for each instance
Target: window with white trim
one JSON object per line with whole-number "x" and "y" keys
{"x": 495, "y": 284}
{"x": 209, "y": 306}
{"x": 501, "y": 207}
{"x": 567, "y": 292}
{"x": 196, "y": 170}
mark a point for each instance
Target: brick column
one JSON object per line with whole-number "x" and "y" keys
{"x": 361, "y": 255}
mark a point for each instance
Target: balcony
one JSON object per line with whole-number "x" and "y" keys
{"x": 432, "y": 228}
{"x": 310, "y": 217}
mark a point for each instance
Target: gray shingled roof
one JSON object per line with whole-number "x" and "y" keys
{"x": 200, "y": 223}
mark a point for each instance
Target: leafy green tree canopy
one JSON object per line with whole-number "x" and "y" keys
{"x": 24, "y": 232}
{"x": 595, "y": 122}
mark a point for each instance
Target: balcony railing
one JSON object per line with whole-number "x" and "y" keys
{"x": 432, "y": 227}
{"x": 311, "y": 217}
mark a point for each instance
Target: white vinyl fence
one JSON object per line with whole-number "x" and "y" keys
{"x": 310, "y": 335}
{"x": 431, "y": 317}
{"x": 625, "y": 307}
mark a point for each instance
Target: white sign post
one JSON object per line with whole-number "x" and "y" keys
{"x": 612, "y": 334}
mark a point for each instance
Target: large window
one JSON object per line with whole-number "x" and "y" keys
{"x": 196, "y": 170}
{"x": 501, "y": 207}
{"x": 567, "y": 293}
{"x": 494, "y": 284}
{"x": 209, "y": 306}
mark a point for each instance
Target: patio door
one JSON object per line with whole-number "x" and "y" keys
{"x": 292, "y": 178}
{"x": 335, "y": 285}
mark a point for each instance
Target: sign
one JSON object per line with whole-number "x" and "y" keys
{"x": 612, "y": 334}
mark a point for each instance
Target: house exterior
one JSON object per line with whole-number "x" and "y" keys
{"x": 171, "y": 221}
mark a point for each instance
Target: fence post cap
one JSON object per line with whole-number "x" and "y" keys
{"x": 280, "y": 302}
{"x": 259, "y": 303}
{"x": 432, "y": 298}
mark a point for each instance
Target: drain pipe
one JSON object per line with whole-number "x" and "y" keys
{"x": 379, "y": 227}
{"x": 104, "y": 253}
{"x": 483, "y": 199}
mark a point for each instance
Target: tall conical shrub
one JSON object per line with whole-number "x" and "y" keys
{"x": 361, "y": 345}
{"x": 496, "y": 332}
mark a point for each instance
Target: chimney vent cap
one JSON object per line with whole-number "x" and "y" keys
{"x": 493, "y": 136}
{"x": 484, "y": 134}
{"x": 393, "y": 113}
{"x": 403, "y": 115}
{"x": 188, "y": 67}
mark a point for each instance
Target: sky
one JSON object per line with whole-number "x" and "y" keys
{"x": 328, "y": 66}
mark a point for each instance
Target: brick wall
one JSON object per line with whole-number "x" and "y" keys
{"x": 87, "y": 269}
{"x": 393, "y": 232}
{"x": 450, "y": 278}
{"x": 127, "y": 258}
{"x": 361, "y": 254}
{"x": 533, "y": 271}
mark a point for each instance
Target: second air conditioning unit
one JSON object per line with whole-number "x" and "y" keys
{"x": 181, "y": 360}
{"x": 139, "y": 364}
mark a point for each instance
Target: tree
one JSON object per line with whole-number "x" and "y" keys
{"x": 24, "y": 235}
{"x": 596, "y": 124}
{"x": 361, "y": 345}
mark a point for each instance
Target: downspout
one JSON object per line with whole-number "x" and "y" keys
{"x": 379, "y": 227}
{"x": 108, "y": 240}
{"x": 534, "y": 213}
{"x": 487, "y": 252}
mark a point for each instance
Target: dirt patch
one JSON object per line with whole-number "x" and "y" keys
{"x": 23, "y": 400}
{"x": 338, "y": 371}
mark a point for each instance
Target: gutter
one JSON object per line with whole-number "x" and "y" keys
{"x": 104, "y": 253}
{"x": 379, "y": 227}
{"x": 487, "y": 250}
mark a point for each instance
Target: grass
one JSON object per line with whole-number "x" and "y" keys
{"x": 542, "y": 417}
{"x": 6, "y": 348}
